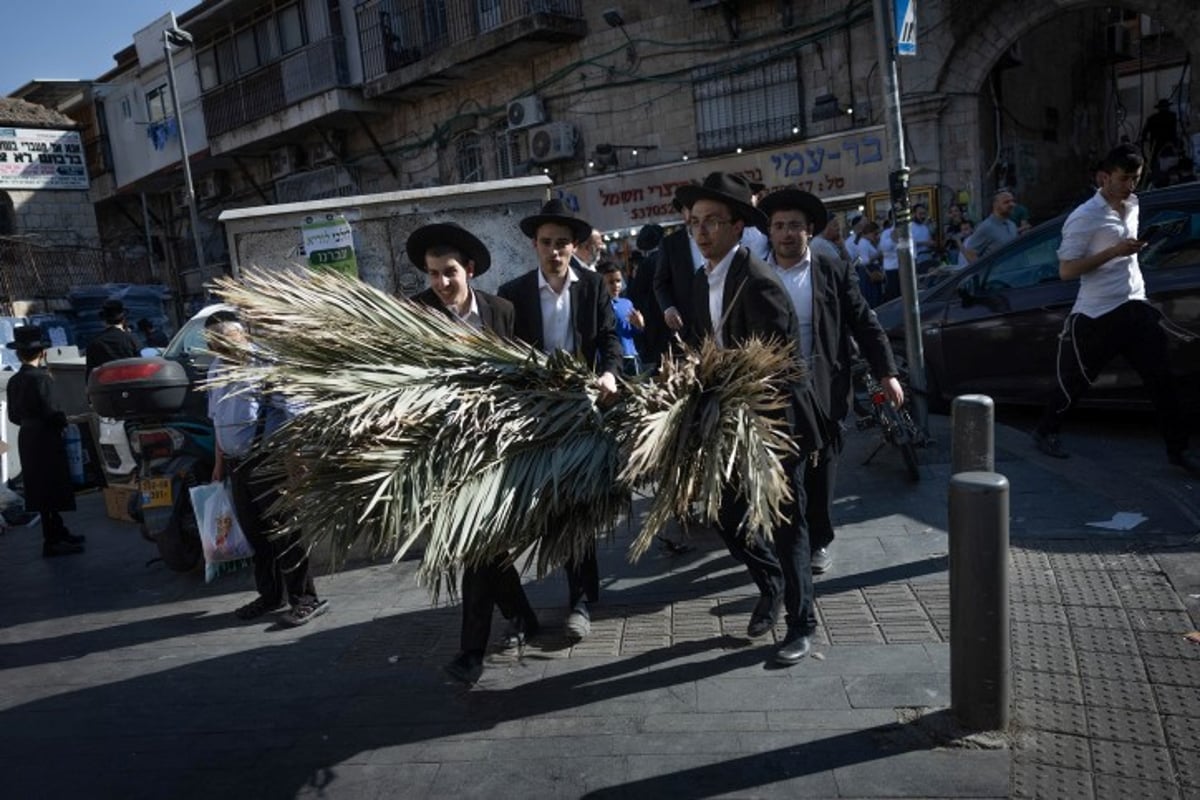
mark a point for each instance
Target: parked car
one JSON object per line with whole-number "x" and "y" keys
{"x": 993, "y": 327}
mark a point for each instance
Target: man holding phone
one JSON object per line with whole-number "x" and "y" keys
{"x": 1111, "y": 316}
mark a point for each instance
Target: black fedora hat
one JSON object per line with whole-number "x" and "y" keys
{"x": 797, "y": 200}
{"x": 557, "y": 212}
{"x": 450, "y": 234}
{"x": 649, "y": 237}
{"x": 725, "y": 187}
{"x": 112, "y": 312}
{"x": 28, "y": 337}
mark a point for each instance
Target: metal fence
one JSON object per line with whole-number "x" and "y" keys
{"x": 30, "y": 272}
{"x": 395, "y": 33}
{"x": 314, "y": 68}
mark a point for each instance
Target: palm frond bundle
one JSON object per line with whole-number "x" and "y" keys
{"x": 417, "y": 427}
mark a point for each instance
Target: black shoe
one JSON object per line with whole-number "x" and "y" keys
{"x": 258, "y": 607}
{"x": 73, "y": 538}
{"x": 794, "y": 647}
{"x": 60, "y": 547}
{"x": 519, "y": 631}
{"x": 1049, "y": 444}
{"x": 762, "y": 619}
{"x": 822, "y": 560}
{"x": 1185, "y": 459}
{"x": 466, "y": 667}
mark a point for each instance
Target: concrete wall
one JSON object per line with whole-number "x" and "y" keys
{"x": 269, "y": 237}
{"x": 55, "y": 217}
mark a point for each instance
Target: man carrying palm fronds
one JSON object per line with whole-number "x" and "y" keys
{"x": 451, "y": 257}
{"x": 561, "y": 308}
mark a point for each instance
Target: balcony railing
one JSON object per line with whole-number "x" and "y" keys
{"x": 395, "y": 33}
{"x": 311, "y": 70}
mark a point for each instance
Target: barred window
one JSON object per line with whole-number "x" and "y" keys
{"x": 508, "y": 153}
{"x": 748, "y": 104}
{"x": 469, "y": 158}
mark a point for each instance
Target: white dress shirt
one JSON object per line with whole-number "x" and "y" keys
{"x": 797, "y": 281}
{"x": 716, "y": 292}
{"x": 1092, "y": 227}
{"x": 472, "y": 318}
{"x": 557, "y": 331}
{"x": 891, "y": 253}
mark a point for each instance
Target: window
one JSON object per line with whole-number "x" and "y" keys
{"x": 226, "y": 60}
{"x": 469, "y": 158}
{"x": 1177, "y": 242}
{"x": 266, "y": 35}
{"x": 206, "y": 63}
{"x": 126, "y": 108}
{"x": 435, "y": 22}
{"x": 291, "y": 29}
{"x": 490, "y": 14}
{"x": 1026, "y": 263}
{"x": 747, "y": 105}
{"x": 247, "y": 50}
{"x": 158, "y": 103}
{"x": 508, "y": 153}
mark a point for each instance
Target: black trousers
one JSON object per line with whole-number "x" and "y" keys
{"x": 281, "y": 569}
{"x": 819, "y": 484}
{"x": 583, "y": 578}
{"x": 1086, "y": 346}
{"x": 495, "y": 584}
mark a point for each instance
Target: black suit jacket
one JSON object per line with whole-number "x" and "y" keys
{"x": 495, "y": 312}
{"x": 841, "y": 317}
{"x": 592, "y": 318}
{"x": 109, "y": 345}
{"x": 673, "y": 274}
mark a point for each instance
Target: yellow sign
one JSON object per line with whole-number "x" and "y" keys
{"x": 156, "y": 492}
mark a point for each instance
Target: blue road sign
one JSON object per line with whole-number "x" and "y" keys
{"x": 906, "y": 27}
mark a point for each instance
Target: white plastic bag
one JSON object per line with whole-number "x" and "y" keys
{"x": 220, "y": 534}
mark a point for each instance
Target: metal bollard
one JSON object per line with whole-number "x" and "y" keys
{"x": 973, "y": 438}
{"x": 979, "y": 633}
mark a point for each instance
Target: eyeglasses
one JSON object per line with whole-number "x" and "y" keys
{"x": 789, "y": 227}
{"x": 708, "y": 224}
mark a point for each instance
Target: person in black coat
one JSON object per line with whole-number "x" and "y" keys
{"x": 451, "y": 256}
{"x": 736, "y": 296}
{"x": 833, "y": 315}
{"x": 114, "y": 342}
{"x": 558, "y": 307}
{"x": 673, "y": 271}
{"x": 44, "y": 469}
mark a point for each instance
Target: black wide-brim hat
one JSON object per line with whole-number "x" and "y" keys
{"x": 725, "y": 187}
{"x": 556, "y": 211}
{"x": 28, "y": 337}
{"x": 450, "y": 234}
{"x": 797, "y": 200}
{"x": 112, "y": 312}
{"x": 649, "y": 237}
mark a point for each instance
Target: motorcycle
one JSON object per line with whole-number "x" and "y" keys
{"x": 172, "y": 444}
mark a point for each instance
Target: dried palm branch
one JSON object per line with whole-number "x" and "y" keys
{"x": 417, "y": 427}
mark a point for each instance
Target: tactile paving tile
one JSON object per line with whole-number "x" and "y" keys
{"x": 1034, "y": 635}
{"x": 1043, "y": 593}
{"x": 1155, "y": 644}
{"x": 1021, "y": 558}
{"x": 1113, "y": 787}
{"x": 1183, "y": 733}
{"x": 1046, "y": 659}
{"x": 1084, "y": 617}
{"x": 1031, "y": 779}
{"x": 645, "y": 630}
{"x": 1057, "y": 749}
{"x": 1159, "y": 620}
{"x": 1090, "y": 595}
{"x": 1124, "y": 725}
{"x": 1044, "y": 614}
{"x": 1047, "y": 715}
{"x": 1188, "y": 765}
{"x": 1068, "y": 562}
{"x": 694, "y": 620}
{"x": 848, "y": 619}
{"x": 1117, "y": 694}
{"x": 1130, "y": 562}
{"x": 1104, "y": 640}
{"x": 1174, "y": 671}
{"x": 1178, "y": 700}
{"x": 1111, "y": 666}
{"x": 1140, "y": 590}
{"x": 1059, "y": 686}
{"x": 1129, "y": 760}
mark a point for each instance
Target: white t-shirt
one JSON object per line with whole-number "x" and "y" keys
{"x": 891, "y": 253}
{"x": 1092, "y": 227}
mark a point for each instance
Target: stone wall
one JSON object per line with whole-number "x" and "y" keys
{"x": 55, "y": 217}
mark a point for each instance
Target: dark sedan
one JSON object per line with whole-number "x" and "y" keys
{"x": 993, "y": 327}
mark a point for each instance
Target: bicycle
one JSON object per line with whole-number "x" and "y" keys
{"x": 874, "y": 410}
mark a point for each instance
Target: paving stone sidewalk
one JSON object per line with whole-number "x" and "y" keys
{"x": 119, "y": 679}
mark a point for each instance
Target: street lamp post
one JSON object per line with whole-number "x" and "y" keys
{"x": 181, "y": 38}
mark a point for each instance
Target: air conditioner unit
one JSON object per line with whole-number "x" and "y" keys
{"x": 525, "y": 111}
{"x": 327, "y": 150}
{"x": 554, "y": 141}
{"x": 284, "y": 161}
{"x": 210, "y": 186}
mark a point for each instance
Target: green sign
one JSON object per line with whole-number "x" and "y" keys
{"x": 329, "y": 243}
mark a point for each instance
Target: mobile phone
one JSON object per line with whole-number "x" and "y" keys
{"x": 1153, "y": 234}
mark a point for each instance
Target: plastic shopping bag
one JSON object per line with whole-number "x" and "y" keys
{"x": 220, "y": 534}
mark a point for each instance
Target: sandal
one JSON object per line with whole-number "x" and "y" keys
{"x": 258, "y": 607}
{"x": 303, "y": 611}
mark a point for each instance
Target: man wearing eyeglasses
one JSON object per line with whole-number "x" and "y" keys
{"x": 832, "y": 315}
{"x": 736, "y": 296}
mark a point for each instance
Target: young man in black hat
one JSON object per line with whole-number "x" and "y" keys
{"x": 451, "y": 256}
{"x": 832, "y": 315}
{"x": 737, "y": 296}
{"x": 114, "y": 341}
{"x": 44, "y": 469}
{"x": 558, "y": 307}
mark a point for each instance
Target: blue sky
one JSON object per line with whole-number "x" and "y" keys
{"x": 72, "y": 38}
